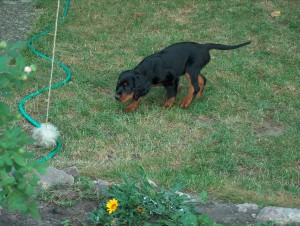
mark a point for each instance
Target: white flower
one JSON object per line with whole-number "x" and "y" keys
{"x": 27, "y": 69}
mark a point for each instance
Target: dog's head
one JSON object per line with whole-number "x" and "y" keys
{"x": 130, "y": 85}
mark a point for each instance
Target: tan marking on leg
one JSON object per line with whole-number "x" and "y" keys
{"x": 201, "y": 85}
{"x": 170, "y": 102}
{"x": 133, "y": 105}
{"x": 188, "y": 99}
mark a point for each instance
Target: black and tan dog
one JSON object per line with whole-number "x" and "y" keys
{"x": 164, "y": 68}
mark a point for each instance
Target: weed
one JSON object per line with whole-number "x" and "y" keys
{"x": 137, "y": 202}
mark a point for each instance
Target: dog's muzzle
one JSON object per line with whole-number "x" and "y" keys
{"x": 117, "y": 96}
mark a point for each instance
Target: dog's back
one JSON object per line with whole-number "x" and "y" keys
{"x": 183, "y": 54}
{"x": 175, "y": 57}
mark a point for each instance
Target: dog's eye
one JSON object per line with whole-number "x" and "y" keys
{"x": 125, "y": 84}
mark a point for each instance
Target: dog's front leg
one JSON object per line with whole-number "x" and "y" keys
{"x": 171, "y": 93}
{"x": 133, "y": 105}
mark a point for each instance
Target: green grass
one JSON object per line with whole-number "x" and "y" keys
{"x": 214, "y": 144}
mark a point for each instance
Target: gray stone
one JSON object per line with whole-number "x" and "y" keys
{"x": 279, "y": 215}
{"x": 101, "y": 185}
{"x": 73, "y": 171}
{"x": 254, "y": 216}
{"x": 246, "y": 206}
{"x": 55, "y": 177}
{"x": 181, "y": 194}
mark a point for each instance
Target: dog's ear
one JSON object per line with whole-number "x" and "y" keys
{"x": 142, "y": 86}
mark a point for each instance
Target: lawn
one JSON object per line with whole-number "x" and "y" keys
{"x": 240, "y": 141}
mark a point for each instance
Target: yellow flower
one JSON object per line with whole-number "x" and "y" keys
{"x": 112, "y": 205}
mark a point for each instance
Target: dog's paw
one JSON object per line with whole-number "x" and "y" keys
{"x": 130, "y": 108}
{"x": 185, "y": 102}
{"x": 169, "y": 103}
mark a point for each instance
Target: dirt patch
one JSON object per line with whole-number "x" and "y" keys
{"x": 268, "y": 128}
{"x": 51, "y": 215}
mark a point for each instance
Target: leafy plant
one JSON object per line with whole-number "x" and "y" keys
{"x": 138, "y": 202}
{"x": 203, "y": 196}
{"x": 18, "y": 172}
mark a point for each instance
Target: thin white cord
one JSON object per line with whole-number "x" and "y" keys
{"x": 52, "y": 65}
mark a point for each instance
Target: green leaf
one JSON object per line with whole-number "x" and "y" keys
{"x": 3, "y": 175}
{"x": 20, "y": 206}
{"x": 189, "y": 219}
{"x": 203, "y": 197}
{"x": 1, "y": 162}
{"x": 34, "y": 212}
{"x": 22, "y": 185}
{"x": 8, "y": 162}
{"x": 10, "y": 181}
{"x": 4, "y": 114}
{"x": 20, "y": 62}
{"x": 4, "y": 108}
{"x": 29, "y": 190}
{"x": 13, "y": 50}
{"x": 17, "y": 45}
{"x": 42, "y": 167}
{"x": 19, "y": 160}
{"x": 33, "y": 67}
{"x": 5, "y": 91}
{"x": 4, "y": 60}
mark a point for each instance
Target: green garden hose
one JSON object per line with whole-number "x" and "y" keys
{"x": 66, "y": 80}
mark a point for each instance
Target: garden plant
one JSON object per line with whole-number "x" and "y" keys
{"x": 18, "y": 168}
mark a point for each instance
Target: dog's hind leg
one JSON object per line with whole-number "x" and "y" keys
{"x": 201, "y": 82}
{"x": 193, "y": 91}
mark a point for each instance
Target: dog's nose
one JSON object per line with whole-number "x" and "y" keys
{"x": 117, "y": 96}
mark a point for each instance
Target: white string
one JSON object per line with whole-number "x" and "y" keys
{"x": 52, "y": 65}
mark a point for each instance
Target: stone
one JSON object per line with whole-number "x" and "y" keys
{"x": 181, "y": 194}
{"x": 55, "y": 177}
{"x": 73, "y": 171}
{"x": 253, "y": 215}
{"x": 246, "y": 206}
{"x": 279, "y": 215}
{"x": 100, "y": 185}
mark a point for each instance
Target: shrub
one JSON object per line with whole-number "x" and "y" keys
{"x": 18, "y": 170}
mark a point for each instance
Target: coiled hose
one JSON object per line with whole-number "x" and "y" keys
{"x": 56, "y": 85}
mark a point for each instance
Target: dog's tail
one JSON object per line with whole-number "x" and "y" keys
{"x": 225, "y": 47}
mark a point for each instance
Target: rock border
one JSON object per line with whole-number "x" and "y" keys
{"x": 212, "y": 208}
